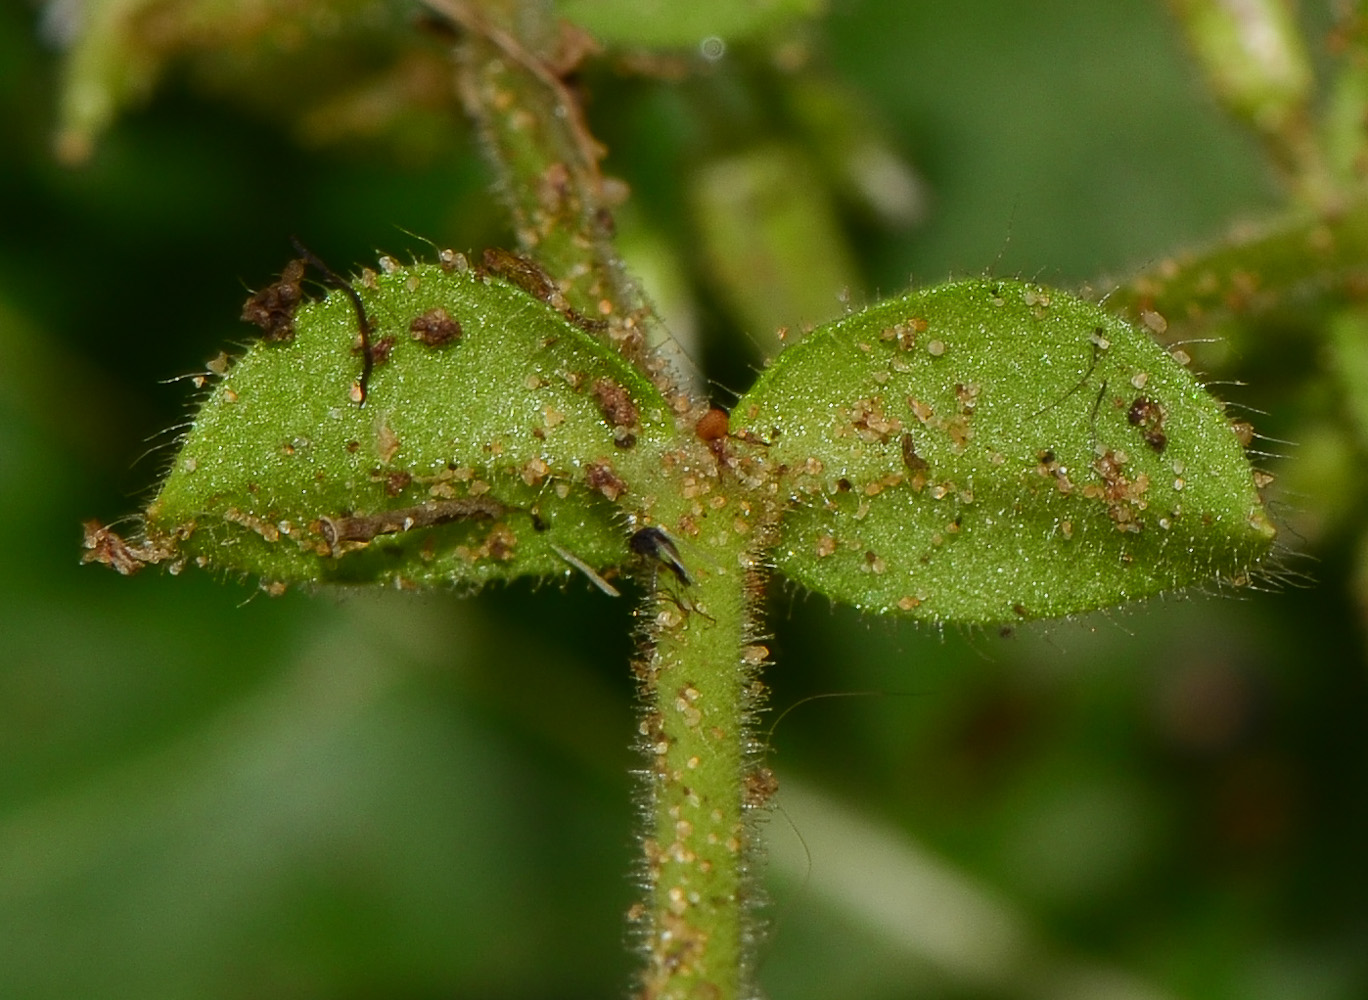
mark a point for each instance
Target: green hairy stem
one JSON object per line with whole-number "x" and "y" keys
{"x": 700, "y": 686}
{"x": 511, "y": 62}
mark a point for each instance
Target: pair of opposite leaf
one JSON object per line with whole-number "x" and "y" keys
{"x": 985, "y": 450}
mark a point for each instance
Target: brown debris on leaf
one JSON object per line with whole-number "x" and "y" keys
{"x": 600, "y": 476}
{"x": 364, "y": 528}
{"x": 435, "y": 328}
{"x": 1149, "y": 416}
{"x": 910, "y": 458}
{"x": 759, "y": 787}
{"x": 380, "y": 350}
{"x": 617, "y": 407}
{"x": 397, "y": 482}
{"x": 1124, "y": 497}
{"x": 273, "y": 307}
{"x": 868, "y": 421}
{"x": 110, "y": 548}
{"x": 615, "y": 403}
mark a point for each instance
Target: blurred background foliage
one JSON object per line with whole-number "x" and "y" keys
{"x": 208, "y": 793}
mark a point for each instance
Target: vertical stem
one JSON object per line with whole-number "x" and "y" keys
{"x": 1257, "y": 63}
{"x": 698, "y": 670}
{"x": 700, "y": 693}
{"x": 512, "y": 64}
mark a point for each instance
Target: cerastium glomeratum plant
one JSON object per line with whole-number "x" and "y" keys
{"x": 981, "y": 451}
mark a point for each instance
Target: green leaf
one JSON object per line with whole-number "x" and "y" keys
{"x": 992, "y": 451}
{"x": 501, "y": 450}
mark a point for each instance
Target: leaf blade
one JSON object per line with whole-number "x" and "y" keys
{"x": 993, "y": 450}
{"x": 472, "y": 460}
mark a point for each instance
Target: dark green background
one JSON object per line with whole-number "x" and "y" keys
{"x": 208, "y": 793}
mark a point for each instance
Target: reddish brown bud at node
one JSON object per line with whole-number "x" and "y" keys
{"x": 712, "y": 426}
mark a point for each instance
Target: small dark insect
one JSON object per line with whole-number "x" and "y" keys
{"x": 1149, "y": 416}
{"x": 653, "y": 543}
{"x": 273, "y": 307}
{"x": 435, "y": 328}
{"x": 363, "y": 326}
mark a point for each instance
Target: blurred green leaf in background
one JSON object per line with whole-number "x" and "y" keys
{"x": 209, "y": 793}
